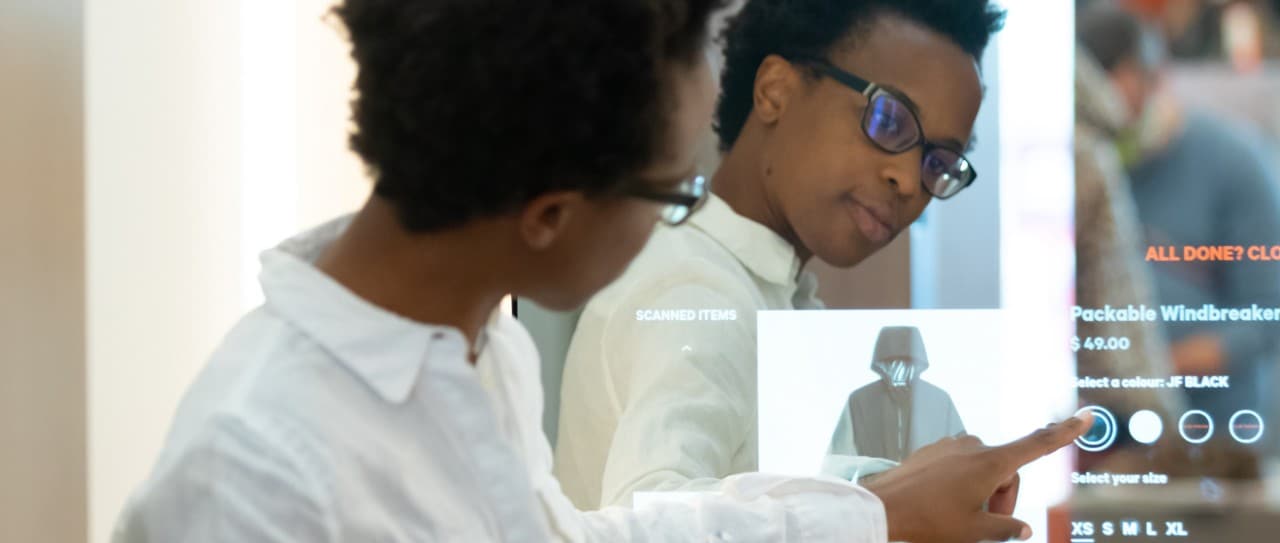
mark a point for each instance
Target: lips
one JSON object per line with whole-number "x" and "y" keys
{"x": 874, "y": 221}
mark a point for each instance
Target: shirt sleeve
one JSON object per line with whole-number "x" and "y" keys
{"x": 228, "y": 485}
{"x": 752, "y": 508}
{"x": 745, "y": 508}
{"x": 685, "y": 392}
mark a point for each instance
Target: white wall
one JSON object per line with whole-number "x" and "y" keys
{"x": 162, "y": 208}
{"x": 332, "y": 179}
{"x": 215, "y": 128}
{"x": 1037, "y": 258}
{"x": 955, "y": 247}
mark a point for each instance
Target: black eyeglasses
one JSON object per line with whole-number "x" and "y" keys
{"x": 894, "y": 127}
{"x": 689, "y": 195}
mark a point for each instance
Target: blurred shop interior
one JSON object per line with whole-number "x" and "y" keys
{"x": 1176, "y": 145}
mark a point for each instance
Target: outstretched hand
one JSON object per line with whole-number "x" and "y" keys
{"x": 961, "y": 491}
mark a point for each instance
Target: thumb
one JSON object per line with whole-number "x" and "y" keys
{"x": 992, "y": 527}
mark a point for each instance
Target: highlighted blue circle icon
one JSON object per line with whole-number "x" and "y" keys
{"x": 1102, "y": 435}
{"x": 1246, "y": 426}
{"x": 1196, "y": 426}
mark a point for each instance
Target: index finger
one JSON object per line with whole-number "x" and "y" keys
{"x": 1046, "y": 441}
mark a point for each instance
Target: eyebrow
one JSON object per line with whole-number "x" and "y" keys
{"x": 952, "y": 143}
{"x": 955, "y": 144}
{"x": 901, "y": 94}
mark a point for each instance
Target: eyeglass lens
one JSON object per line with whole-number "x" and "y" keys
{"x": 892, "y": 126}
{"x": 675, "y": 214}
{"x": 944, "y": 172}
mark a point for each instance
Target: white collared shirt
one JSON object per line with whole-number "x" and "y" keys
{"x": 323, "y": 418}
{"x": 659, "y": 394}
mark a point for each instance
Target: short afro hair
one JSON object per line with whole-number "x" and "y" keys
{"x": 811, "y": 28}
{"x": 471, "y": 108}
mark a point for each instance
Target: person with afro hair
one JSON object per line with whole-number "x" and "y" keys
{"x": 383, "y": 393}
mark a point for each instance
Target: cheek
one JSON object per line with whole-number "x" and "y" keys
{"x": 814, "y": 193}
{"x": 600, "y": 249}
{"x": 915, "y": 208}
{"x": 813, "y": 139}
{"x": 639, "y": 224}
{"x": 813, "y": 173}
{"x": 631, "y": 224}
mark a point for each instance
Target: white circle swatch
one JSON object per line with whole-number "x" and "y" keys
{"x": 1146, "y": 427}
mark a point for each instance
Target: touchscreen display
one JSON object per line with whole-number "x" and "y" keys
{"x": 1119, "y": 255}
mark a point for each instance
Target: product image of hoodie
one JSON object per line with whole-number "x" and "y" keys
{"x": 900, "y": 413}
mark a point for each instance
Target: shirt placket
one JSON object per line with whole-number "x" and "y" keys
{"x": 501, "y": 477}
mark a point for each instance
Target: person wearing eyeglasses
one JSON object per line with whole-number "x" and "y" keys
{"x": 840, "y": 121}
{"x": 382, "y": 393}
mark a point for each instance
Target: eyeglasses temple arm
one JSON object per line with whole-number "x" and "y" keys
{"x": 858, "y": 84}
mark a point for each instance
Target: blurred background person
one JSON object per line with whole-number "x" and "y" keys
{"x": 1109, "y": 266}
{"x": 1242, "y": 31}
{"x": 1223, "y": 56}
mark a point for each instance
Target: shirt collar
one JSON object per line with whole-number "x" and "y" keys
{"x": 759, "y": 249}
{"x": 383, "y": 349}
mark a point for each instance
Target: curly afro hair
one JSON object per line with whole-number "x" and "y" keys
{"x": 812, "y": 27}
{"x": 470, "y": 108}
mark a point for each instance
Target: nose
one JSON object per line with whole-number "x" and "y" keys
{"x": 902, "y": 172}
